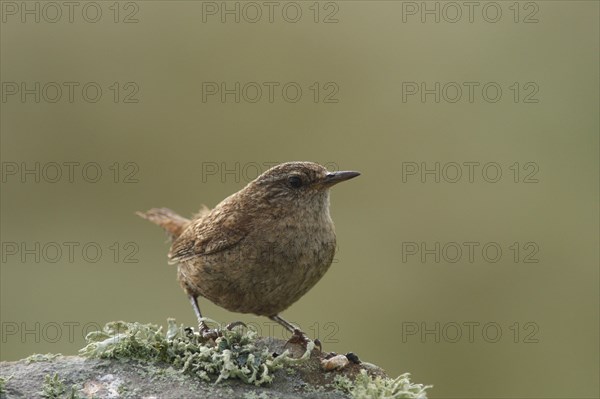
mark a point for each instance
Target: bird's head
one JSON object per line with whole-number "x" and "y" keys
{"x": 297, "y": 184}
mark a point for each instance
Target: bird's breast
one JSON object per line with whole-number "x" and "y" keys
{"x": 271, "y": 268}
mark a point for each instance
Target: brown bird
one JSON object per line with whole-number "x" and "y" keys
{"x": 260, "y": 249}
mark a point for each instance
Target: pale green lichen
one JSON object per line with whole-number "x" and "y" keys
{"x": 38, "y": 357}
{"x": 366, "y": 387}
{"x": 232, "y": 355}
{"x": 54, "y": 388}
{"x": 3, "y": 381}
{"x": 254, "y": 395}
{"x": 342, "y": 383}
{"x": 122, "y": 390}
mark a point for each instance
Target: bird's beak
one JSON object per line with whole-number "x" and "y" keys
{"x": 332, "y": 178}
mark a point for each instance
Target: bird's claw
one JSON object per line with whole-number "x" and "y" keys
{"x": 235, "y": 324}
{"x": 318, "y": 343}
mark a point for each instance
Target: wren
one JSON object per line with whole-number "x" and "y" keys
{"x": 260, "y": 249}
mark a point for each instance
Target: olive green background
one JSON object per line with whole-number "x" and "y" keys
{"x": 370, "y": 294}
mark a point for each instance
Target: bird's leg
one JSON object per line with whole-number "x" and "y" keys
{"x": 298, "y": 336}
{"x": 204, "y": 330}
{"x": 202, "y": 327}
{"x": 286, "y": 324}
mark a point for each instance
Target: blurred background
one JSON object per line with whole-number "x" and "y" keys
{"x": 467, "y": 249}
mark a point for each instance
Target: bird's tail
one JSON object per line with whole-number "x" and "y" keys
{"x": 167, "y": 219}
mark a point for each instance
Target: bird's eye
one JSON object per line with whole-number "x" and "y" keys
{"x": 295, "y": 181}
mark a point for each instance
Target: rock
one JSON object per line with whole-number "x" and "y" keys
{"x": 126, "y": 378}
{"x": 337, "y": 362}
{"x": 133, "y": 360}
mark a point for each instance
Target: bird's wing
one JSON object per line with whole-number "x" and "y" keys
{"x": 208, "y": 235}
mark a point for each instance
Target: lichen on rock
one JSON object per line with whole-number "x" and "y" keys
{"x": 136, "y": 360}
{"x": 367, "y": 387}
{"x": 54, "y": 388}
{"x": 232, "y": 355}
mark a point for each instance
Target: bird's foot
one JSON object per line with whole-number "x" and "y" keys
{"x": 214, "y": 333}
{"x": 210, "y": 333}
{"x": 300, "y": 338}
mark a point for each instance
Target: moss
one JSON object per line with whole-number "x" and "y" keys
{"x": 233, "y": 355}
{"x": 366, "y": 387}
